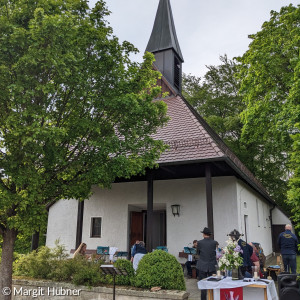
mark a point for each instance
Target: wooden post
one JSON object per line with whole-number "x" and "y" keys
{"x": 149, "y": 212}
{"x": 79, "y": 223}
{"x": 209, "y": 200}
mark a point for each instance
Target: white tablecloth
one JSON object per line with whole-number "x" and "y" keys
{"x": 228, "y": 283}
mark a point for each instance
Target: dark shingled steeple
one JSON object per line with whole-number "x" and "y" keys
{"x": 163, "y": 34}
{"x": 164, "y": 45}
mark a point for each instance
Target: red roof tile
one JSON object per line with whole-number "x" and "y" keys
{"x": 186, "y": 137}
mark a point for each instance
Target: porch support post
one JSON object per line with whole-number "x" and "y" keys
{"x": 35, "y": 241}
{"x": 209, "y": 200}
{"x": 79, "y": 223}
{"x": 149, "y": 211}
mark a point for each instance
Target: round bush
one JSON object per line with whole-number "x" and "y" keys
{"x": 162, "y": 269}
{"x": 127, "y": 265}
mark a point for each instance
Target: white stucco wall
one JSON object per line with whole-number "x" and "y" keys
{"x": 258, "y": 211}
{"x": 190, "y": 195}
{"x": 114, "y": 206}
{"x": 279, "y": 218}
{"x": 232, "y": 200}
{"x": 62, "y": 222}
{"x": 225, "y": 209}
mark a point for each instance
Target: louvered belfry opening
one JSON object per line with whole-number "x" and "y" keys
{"x": 177, "y": 73}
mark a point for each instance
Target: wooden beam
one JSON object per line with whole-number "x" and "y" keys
{"x": 79, "y": 223}
{"x": 149, "y": 212}
{"x": 209, "y": 199}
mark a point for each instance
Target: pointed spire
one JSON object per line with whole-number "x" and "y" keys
{"x": 163, "y": 34}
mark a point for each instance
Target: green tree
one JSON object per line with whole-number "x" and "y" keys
{"x": 294, "y": 183}
{"x": 270, "y": 88}
{"x": 74, "y": 111}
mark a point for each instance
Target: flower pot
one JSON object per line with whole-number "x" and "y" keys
{"x": 235, "y": 274}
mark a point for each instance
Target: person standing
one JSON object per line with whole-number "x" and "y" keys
{"x": 206, "y": 264}
{"x": 246, "y": 252}
{"x": 288, "y": 243}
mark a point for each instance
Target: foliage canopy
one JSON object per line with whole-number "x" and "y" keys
{"x": 270, "y": 86}
{"x": 74, "y": 110}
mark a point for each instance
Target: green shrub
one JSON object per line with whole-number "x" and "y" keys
{"x": 36, "y": 264}
{"x": 86, "y": 272}
{"x": 127, "y": 265}
{"x": 162, "y": 269}
{"x": 65, "y": 269}
{"x": 40, "y": 263}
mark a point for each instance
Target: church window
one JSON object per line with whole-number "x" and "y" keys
{"x": 257, "y": 213}
{"x": 96, "y": 227}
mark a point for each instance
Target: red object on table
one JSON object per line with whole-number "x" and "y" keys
{"x": 231, "y": 294}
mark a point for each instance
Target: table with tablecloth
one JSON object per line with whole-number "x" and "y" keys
{"x": 227, "y": 283}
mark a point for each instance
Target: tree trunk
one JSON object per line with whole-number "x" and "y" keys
{"x": 9, "y": 237}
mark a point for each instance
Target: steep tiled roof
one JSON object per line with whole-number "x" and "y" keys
{"x": 191, "y": 139}
{"x": 186, "y": 137}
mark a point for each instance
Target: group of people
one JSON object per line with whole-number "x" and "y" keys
{"x": 208, "y": 253}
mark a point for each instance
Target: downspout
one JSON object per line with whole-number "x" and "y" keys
{"x": 271, "y": 223}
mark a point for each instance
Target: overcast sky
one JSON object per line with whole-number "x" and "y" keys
{"x": 205, "y": 29}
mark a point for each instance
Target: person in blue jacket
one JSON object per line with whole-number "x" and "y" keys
{"x": 246, "y": 253}
{"x": 288, "y": 244}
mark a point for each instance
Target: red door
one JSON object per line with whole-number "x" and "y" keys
{"x": 136, "y": 227}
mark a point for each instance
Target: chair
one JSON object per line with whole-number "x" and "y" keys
{"x": 103, "y": 252}
{"x": 189, "y": 250}
{"x": 164, "y": 248}
{"x": 121, "y": 255}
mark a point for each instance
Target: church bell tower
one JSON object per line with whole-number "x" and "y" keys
{"x": 164, "y": 45}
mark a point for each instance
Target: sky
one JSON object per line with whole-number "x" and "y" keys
{"x": 205, "y": 29}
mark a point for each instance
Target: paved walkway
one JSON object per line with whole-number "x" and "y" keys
{"x": 195, "y": 293}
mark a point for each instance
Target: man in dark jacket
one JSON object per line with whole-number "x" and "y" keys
{"x": 288, "y": 244}
{"x": 206, "y": 264}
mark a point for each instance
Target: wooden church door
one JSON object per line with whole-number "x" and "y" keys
{"x": 138, "y": 228}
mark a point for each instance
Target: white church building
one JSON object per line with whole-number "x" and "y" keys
{"x": 199, "y": 183}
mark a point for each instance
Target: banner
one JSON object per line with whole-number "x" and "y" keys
{"x": 231, "y": 294}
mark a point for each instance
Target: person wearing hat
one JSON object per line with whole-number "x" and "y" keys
{"x": 206, "y": 264}
{"x": 246, "y": 253}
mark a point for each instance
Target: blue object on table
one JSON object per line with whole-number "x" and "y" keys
{"x": 122, "y": 254}
{"x": 103, "y": 250}
{"x": 274, "y": 267}
{"x": 189, "y": 250}
{"x": 164, "y": 248}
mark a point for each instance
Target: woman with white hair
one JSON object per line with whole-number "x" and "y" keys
{"x": 139, "y": 252}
